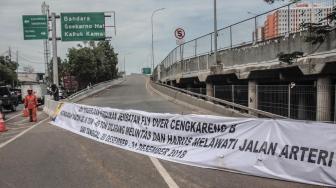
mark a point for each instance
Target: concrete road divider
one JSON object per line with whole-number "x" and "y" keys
{"x": 50, "y": 105}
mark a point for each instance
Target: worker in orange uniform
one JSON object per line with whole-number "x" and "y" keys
{"x": 30, "y": 103}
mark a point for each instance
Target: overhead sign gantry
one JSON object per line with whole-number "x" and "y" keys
{"x": 82, "y": 26}
{"x": 35, "y": 27}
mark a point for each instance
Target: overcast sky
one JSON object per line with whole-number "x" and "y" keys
{"x": 133, "y": 25}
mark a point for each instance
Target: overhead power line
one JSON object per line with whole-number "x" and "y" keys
{"x": 31, "y": 61}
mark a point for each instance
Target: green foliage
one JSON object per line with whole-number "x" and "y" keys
{"x": 7, "y": 70}
{"x": 317, "y": 32}
{"x": 93, "y": 64}
{"x": 290, "y": 57}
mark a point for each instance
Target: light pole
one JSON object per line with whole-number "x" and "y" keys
{"x": 125, "y": 62}
{"x": 155, "y": 11}
{"x": 45, "y": 11}
{"x": 215, "y": 31}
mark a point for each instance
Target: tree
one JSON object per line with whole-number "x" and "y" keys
{"x": 92, "y": 64}
{"x": 7, "y": 70}
{"x": 82, "y": 64}
{"x": 106, "y": 61}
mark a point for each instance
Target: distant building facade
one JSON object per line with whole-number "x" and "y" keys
{"x": 271, "y": 26}
{"x": 30, "y": 77}
{"x": 260, "y": 34}
{"x": 282, "y": 20}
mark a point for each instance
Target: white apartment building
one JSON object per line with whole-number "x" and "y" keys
{"x": 301, "y": 13}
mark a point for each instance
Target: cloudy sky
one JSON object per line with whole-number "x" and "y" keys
{"x": 133, "y": 38}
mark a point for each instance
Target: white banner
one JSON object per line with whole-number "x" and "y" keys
{"x": 282, "y": 149}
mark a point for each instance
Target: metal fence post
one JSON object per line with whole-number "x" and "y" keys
{"x": 255, "y": 31}
{"x": 214, "y": 90}
{"x": 230, "y": 36}
{"x": 208, "y": 56}
{"x": 289, "y": 100}
{"x": 257, "y": 96}
{"x": 198, "y": 63}
{"x": 196, "y": 47}
{"x": 335, "y": 105}
{"x": 211, "y": 43}
{"x": 232, "y": 94}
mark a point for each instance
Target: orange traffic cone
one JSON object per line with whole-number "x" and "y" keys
{"x": 2, "y": 124}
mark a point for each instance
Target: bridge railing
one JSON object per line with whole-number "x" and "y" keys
{"x": 85, "y": 90}
{"x": 269, "y": 25}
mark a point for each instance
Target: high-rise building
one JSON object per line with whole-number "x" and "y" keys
{"x": 282, "y": 20}
{"x": 259, "y": 33}
{"x": 271, "y": 25}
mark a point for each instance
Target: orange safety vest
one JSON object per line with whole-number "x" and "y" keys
{"x": 31, "y": 101}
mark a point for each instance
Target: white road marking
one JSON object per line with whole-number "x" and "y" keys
{"x": 24, "y": 120}
{"x": 23, "y": 127}
{"x": 22, "y": 133}
{"x": 13, "y": 117}
{"x": 165, "y": 175}
{"x": 149, "y": 90}
{"x": 18, "y": 124}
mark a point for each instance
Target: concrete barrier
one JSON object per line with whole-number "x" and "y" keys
{"x": 50, "y": 105}
{"x": 177, "y": 95}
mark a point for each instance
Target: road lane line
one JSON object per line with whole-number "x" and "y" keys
{"x": 165, "y": 175}
{"x": 13, "y": 117}
{"x": 24, "y": 119}
{"x": 148, "y": 90}
{"x": 22, "y": 133}
{"x": 23, "y": 127}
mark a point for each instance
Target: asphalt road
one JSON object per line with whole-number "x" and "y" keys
{"x": 47, "y": 156}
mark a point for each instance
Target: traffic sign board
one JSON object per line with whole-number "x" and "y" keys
{"x": 83, "y": 26}
{"x": 146, "y": 70}
{"x": 35, "y": 27}
{"x": 179, "y": 33}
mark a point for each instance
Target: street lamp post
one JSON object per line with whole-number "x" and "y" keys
{"x": 125, "y": 65}
{"x": 157, "y": 10}
{"x": 125, "y": 62}
{"x": 215, "y": 31}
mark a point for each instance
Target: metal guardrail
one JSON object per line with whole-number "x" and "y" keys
{"x": 246, "y": 33}
{"x": 234, "y": 106}
{"x": 50, "y": 105}
{"x": 83, "y": 91}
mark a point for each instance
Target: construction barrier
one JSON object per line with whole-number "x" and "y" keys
{"x": 2, "y": 123}
{"x": 282, "y": 149}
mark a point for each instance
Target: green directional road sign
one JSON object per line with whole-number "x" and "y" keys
{"x": 83, "y": 26}
{"x": 146, "y": 71}
{"x": 35, "y": 27}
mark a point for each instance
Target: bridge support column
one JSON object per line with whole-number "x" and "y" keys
{"x": 252, "y": 95}
{"x": 189, "y": 87}
{"x": 323, "y": 103}
{"x": 209, "y": 89}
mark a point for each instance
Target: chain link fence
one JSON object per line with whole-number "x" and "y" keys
{"x": 293, "y": 101}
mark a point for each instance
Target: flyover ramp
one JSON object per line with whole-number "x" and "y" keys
{"x": 48, "y": 156}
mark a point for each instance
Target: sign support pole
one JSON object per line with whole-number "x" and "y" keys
{"x": 54, "y": 44}
{"x": 45, "y": 10}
